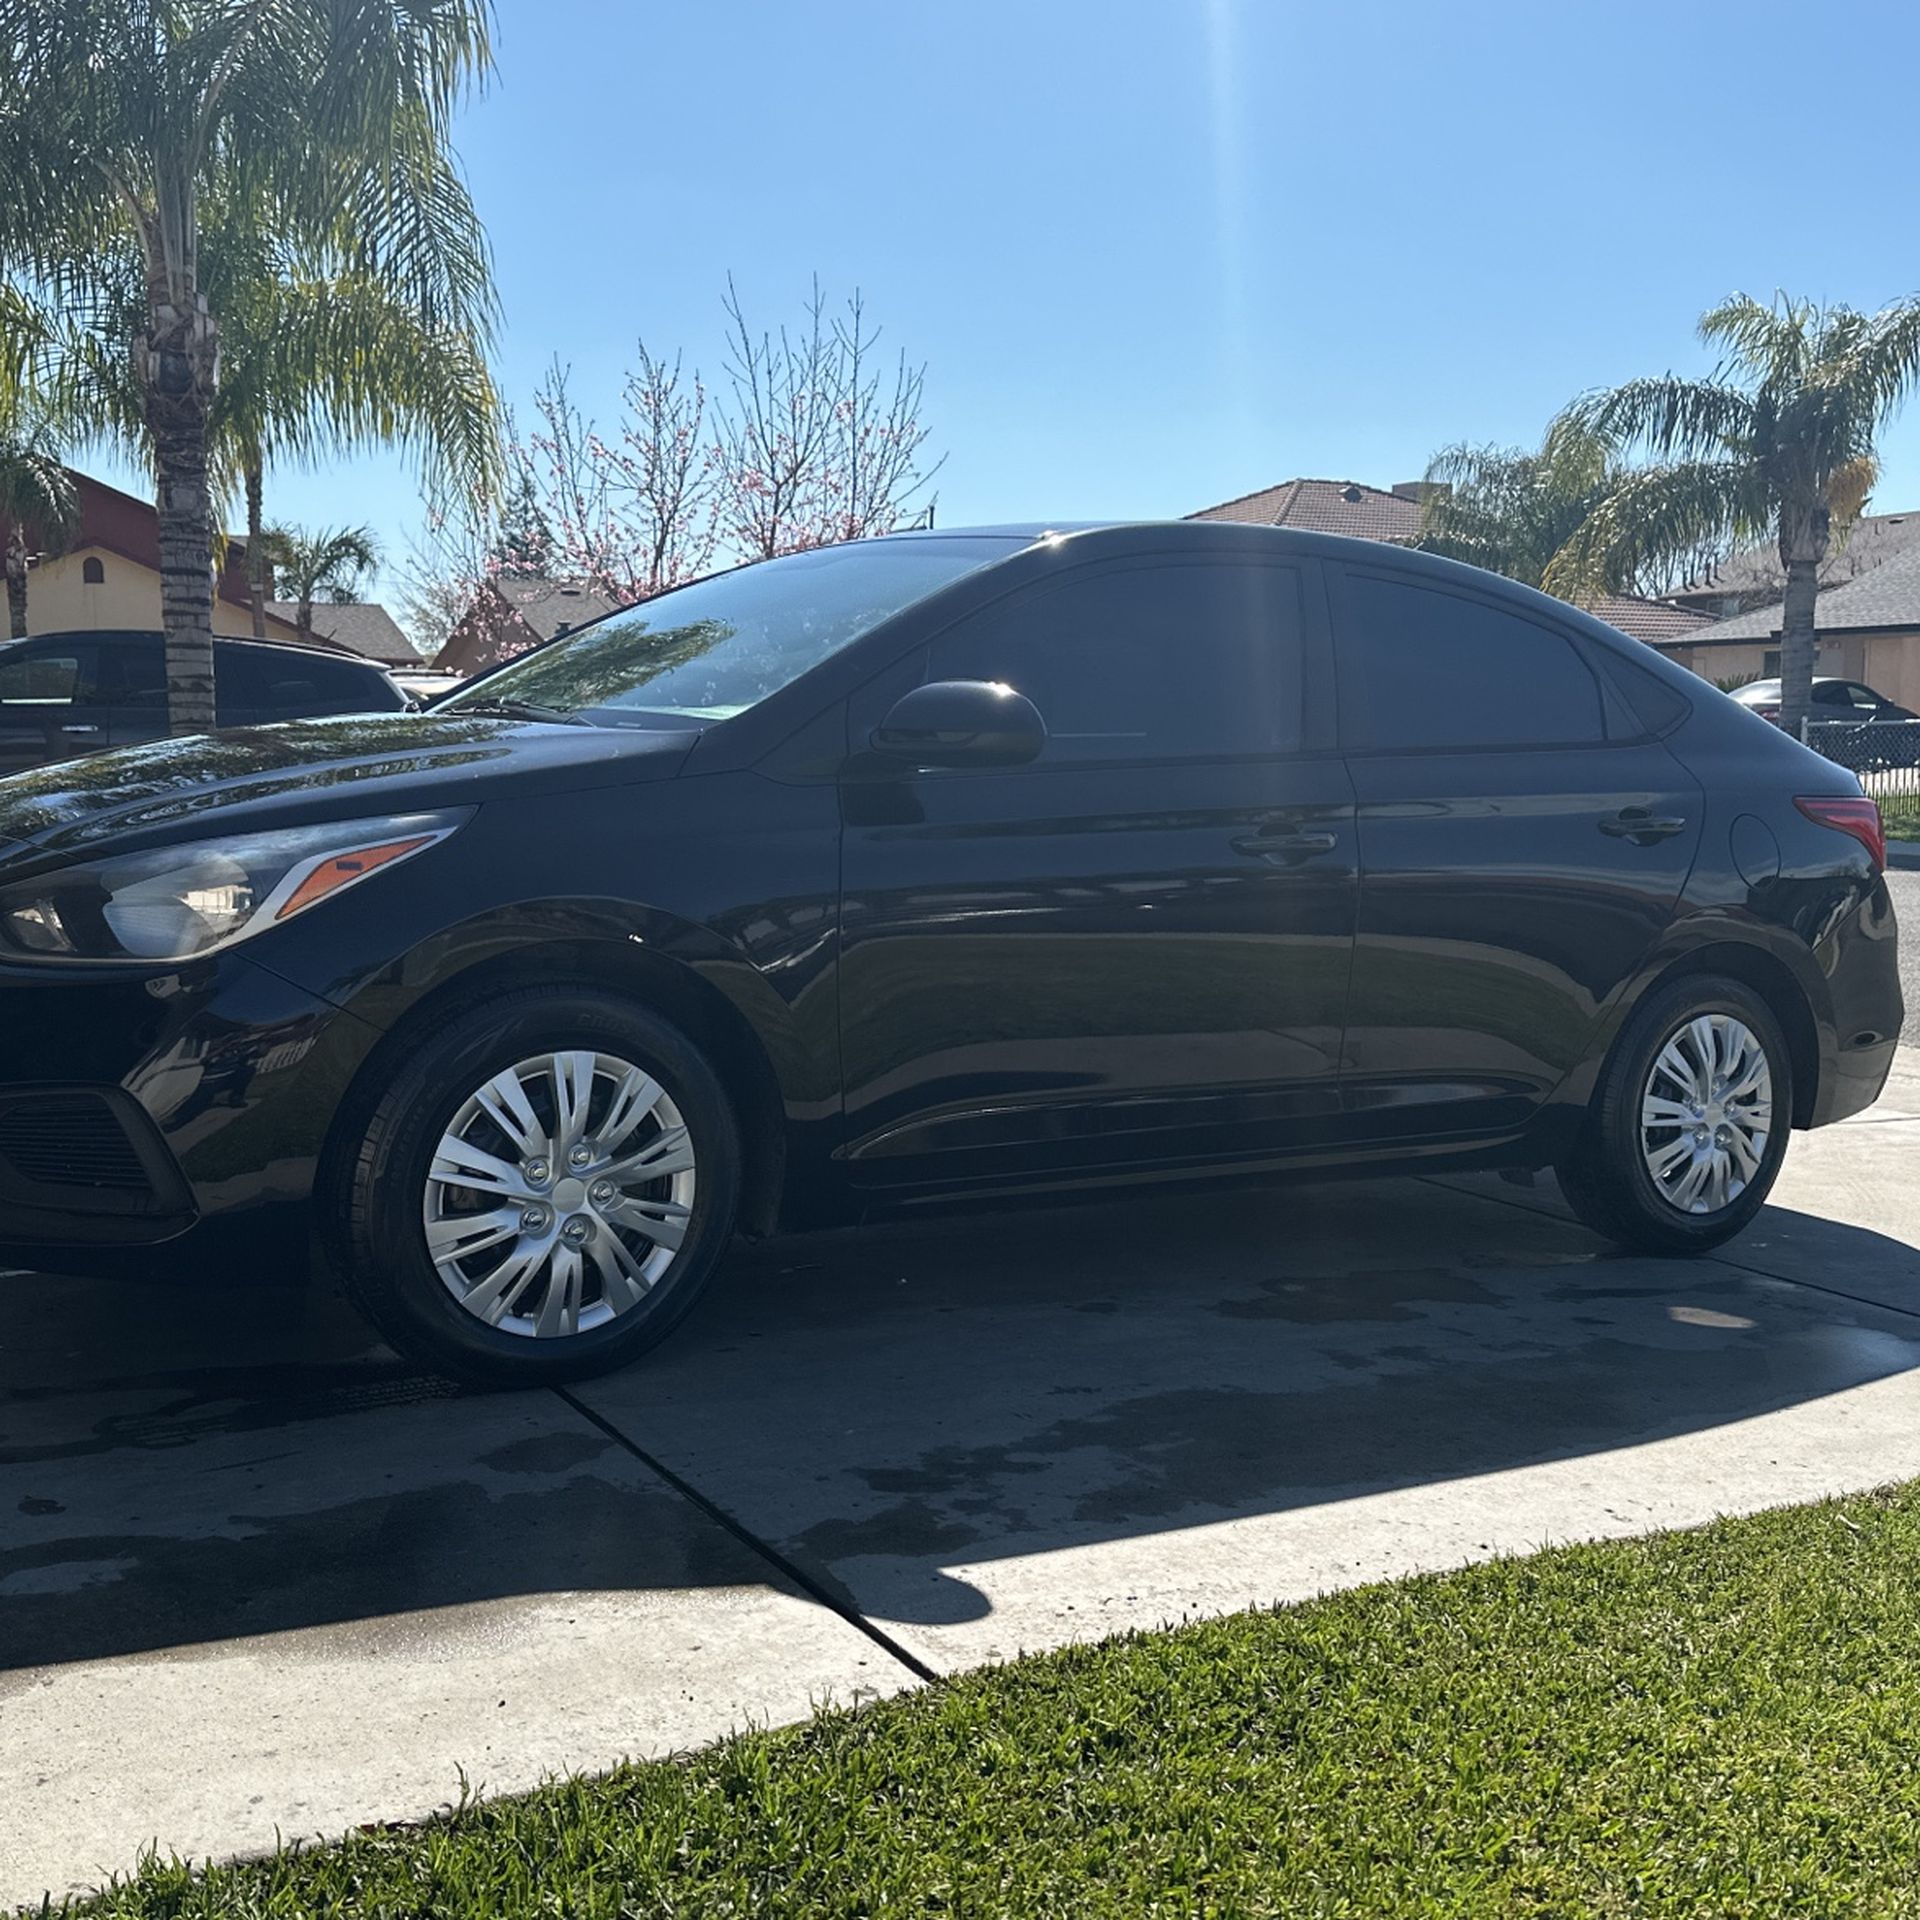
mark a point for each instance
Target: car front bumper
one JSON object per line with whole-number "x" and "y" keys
{"x": 151, "y": 1119}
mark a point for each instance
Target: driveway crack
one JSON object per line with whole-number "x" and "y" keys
{"x": 814, "y": 1588}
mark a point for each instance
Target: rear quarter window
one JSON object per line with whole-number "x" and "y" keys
{"x": 1423, "y": 669}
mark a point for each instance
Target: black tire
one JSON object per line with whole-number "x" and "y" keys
{"x": 378, "y": 1238}
{"x": 1605, "y": 1177}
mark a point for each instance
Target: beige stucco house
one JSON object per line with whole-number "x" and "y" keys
{"x": 109, "y": 575}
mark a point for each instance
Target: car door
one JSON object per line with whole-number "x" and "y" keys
{"x": 1523, "y": 841}
{"x": 1134, "y": 949}
{"x": 130, "y": 689}
{"x": 47, "y": 711}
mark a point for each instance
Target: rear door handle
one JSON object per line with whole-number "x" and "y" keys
{"x": 1642, "y": 825}
{"x": 79, "y": 729}
{"x": 1286, "y": 845}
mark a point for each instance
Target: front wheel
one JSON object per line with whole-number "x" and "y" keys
{"x": 1689, "y": 1124}
{"x": 544, "y": 1186}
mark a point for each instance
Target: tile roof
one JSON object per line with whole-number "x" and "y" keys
{"x": 1886, "y": 596}
{"x": 1324, "y": 506}
{"x": 361, "y": 626}
{"x": 1872, "y": 539}
{"x": 1649, "y": 620}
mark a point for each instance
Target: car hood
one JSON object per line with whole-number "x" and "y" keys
{"x": 255, "y": 778}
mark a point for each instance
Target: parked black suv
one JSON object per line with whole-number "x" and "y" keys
{"x": 925, "y": 868}
{"x": 64, "y": 694}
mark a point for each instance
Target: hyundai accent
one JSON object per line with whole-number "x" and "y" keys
{"x": 916, "y": 872}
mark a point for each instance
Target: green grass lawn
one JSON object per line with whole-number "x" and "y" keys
{"x": 1723, "y": 1722}
{"x": 1901, "y": 812}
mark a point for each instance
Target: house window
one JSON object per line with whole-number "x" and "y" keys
{"x": 1770, "y": 664}
{"x": 93, "y": 571}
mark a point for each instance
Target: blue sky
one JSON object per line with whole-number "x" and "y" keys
{"x": 1156, "y": 253}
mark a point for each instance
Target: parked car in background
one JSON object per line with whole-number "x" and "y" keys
{"x": 1833, "y": 699}
{"x": 65, "y": 694}
{"x": 423, "y": 686}
{"x": 1848, "y": 703}
{"x": 919, "y": 870}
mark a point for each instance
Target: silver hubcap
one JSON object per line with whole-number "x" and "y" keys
{"x": 559, "y": 1194}
{"x": 1706, "y": 1114}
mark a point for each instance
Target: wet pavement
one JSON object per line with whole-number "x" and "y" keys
{"x": 256, "y": 1578}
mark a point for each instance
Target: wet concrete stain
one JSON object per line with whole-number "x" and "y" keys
{"x": 178, "y": 1410}
{"x": 909, "y": 1528}
{"x": 90, "y": 1597}
{"x": 546, "y": 1453}
{"x": 1191, "y": 1454}
{"x": 1397, "y": 1294}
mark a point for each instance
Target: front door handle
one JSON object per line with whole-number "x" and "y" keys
{"x": 1286, "y": 845}
{"x": 78, "y": 729}
{"x": 1642, "y": 826}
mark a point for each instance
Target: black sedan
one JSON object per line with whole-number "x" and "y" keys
{"x": 911, "y": 872}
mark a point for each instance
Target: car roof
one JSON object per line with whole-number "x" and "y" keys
{"x": 268, "y": 644}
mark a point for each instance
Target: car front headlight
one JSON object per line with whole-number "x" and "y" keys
{"x": 178, "y": 902}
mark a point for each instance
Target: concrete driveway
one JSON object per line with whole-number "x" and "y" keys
{"x": 257, "y": 1580}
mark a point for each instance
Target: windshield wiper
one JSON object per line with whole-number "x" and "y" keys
{"x": 519, "y": 710}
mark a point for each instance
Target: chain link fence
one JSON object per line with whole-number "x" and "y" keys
{"x": 1886, "y": 756}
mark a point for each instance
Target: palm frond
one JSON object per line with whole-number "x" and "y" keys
{"x": 1649, "y": 517}
{"x": 1848, "y": 490}
{"x": 1772, "y": 345}
{"x": 1887, "y": 360}
{"x": 329, "y": 559}
{"x": 36, "y": 488}
{"x": 1671, "y": 417}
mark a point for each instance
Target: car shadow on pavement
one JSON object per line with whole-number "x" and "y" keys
{"x": 896, "y": 1411}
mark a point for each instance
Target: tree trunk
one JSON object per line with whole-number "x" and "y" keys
{"x": 303, "y": 623}
{"x": 176, "y": 363}
{"x": 1803, "y": 545}
{"x": 256, "y": 554}
{"x": 17, "y": 582}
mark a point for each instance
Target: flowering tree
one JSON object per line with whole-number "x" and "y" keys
{"x": 812, "y": 437}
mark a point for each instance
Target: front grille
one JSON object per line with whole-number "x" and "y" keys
{"x": 70, "y": 1140}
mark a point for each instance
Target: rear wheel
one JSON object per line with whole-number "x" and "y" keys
{"x": 1689, "y": 1124}
{"x": 544, "y": 1186}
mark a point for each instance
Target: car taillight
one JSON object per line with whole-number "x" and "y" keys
{"x": 1851, "y": 813}
{"x": 1769, "y": 713}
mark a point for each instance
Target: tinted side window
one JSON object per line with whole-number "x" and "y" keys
{"x": 1425, "y": 669}
{"x": 1153, "y": 662}
{"x": 256, "y": 685}
{"x": 133, "y": 675}
{"x": 340, "y": 687}
{"x": 44, "y": 680}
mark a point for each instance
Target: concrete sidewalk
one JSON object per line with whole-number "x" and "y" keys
{"x": 255, "y": 1579}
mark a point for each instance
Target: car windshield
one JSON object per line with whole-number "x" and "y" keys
{"x": 710, "y": 650}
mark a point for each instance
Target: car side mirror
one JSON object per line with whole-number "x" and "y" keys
{"x": 962, "y": 723}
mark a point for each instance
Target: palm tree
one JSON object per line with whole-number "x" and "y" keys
{"x": 329, "y": 119}
{"x": 1511, "y": 510}
{"x": 327, "y": 564}
{"x": 38, "y": 506}
{"x": 1777, "y": 443}
{"x": 312, "y": 360}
